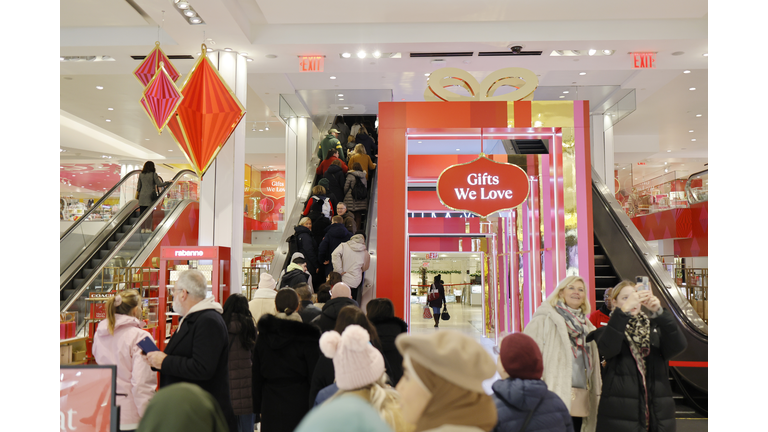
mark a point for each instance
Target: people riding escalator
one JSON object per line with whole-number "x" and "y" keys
{"x": 147, "y": 191}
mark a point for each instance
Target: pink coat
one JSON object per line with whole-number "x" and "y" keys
{"x": 134, "y": 377}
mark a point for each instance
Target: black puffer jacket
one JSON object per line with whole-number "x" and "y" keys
{"x": 515, "y": 398}
{"x": 307, "y": 247}
{"x": 240, "y": 375}
{"x": 388, "y": 329}
{"x": 327, "y": 319}
{"x": 336, "y": 178}
{"x": 622, "y": 404}
{"x": 285, "y": 358}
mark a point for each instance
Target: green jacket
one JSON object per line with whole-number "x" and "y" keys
{"x": 328, "y": 143}
{"x": 183, "y": 407}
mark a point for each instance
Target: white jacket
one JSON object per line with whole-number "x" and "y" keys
{"x": 548, "y": 329}
{"x": 351, "y": 260}
{"x": 263, "y": 302}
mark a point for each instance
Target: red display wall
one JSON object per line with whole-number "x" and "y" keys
{"x": 698, "y": 244}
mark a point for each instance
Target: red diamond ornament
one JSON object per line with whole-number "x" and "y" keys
{"x": 149, "y": 66}
{"x": 161, "y": 98}
{"x": 207, "y": 115}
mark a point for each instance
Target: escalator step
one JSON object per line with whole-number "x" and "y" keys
{"x": 96, "y": 262}
{"x": 119, "y": 236}
{"x": 87, "y": 273}
{"x": 103, "y": 253}
{"x": 111, "y": 244}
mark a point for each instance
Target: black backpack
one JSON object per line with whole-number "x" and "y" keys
{"x": 359, "y": 191}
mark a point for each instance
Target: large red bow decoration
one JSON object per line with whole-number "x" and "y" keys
{"x": 207, "y": 115}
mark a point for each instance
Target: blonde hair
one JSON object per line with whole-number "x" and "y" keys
{"x": 383, "y": 398}
{"x": 304, "y": 220}
{"x": 562, "y": 285}
{"x": 360, "y": 149}
{"x": 618, "y": 288}
{"x": 129, "y": 298}
{"x": 318, "y": 190}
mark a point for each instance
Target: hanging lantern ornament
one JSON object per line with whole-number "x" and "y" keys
{"x": 207, "y": 115}
{"x": 151, "y": 64}
{"x": 161, "y": 98}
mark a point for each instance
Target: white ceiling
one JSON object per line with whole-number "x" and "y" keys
{"x": 290, "y": 28}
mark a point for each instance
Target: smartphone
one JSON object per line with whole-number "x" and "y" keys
{"x": 147, "y": 345}
{"x": 643, "y": 281}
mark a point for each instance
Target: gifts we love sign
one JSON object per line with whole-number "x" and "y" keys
{"x": 482, "y": 186}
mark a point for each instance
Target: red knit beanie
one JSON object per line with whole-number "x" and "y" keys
{"x": 521, "y": 357}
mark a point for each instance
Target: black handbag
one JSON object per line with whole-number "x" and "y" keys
{"x": 445, "y": 316}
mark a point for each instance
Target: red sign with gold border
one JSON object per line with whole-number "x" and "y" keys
{"x": 482, "y": 186}
{"x": 273, "y": 187}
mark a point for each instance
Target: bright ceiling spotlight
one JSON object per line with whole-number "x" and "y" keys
{"x": 592, "y": 52}
{"x": 706, "y": 54}
{"x": 561, "y": 97}
{"x": 346, "y": 107}
{"x": 195, "y": 20}
{"x": 341, "y": 99}
{"x": 227, "y": 49}
{"x": 607, "y": 52}
{"x": 582, "y": 73}
{"x": 245, "y": 54}
{"x": 249, "y": 59}
{"x": 182, "y": 5}
{"x": 110, "y": 109}
{"x": 261, "y": 130}
{"x": 427, "y": 74}
{"x": 333, "y": 77}
{"x": 698, "y": 115}
{"x": 669, "y": 151}
{"x": 108, "y": 120}
{"x": 694, "y": 139}
{"x": 208, "y": 49}
{"x": 346, "y": 55}
{"x": 99, "y": 88}
{"x": 340, "y": 95}
{"x": 361, "y": 54}
{"x": 376, "y": 54}
{"x": 189, "y": 13}
{"x": 686, "y": 71}
{"x": 690, "y": 130}
{"x": 692, "y": 88}
{"x": 266, "y": 127}
{"x": 565, "y": 92}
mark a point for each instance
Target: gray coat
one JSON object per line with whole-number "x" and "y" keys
{"x": 147, "y": 183}
{"x": 352, "y": 204}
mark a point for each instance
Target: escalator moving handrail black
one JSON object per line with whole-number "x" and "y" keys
{"x": 688, "y": 398}
{"x": 129, "y": 234}
{"x": 96, "y": 205}
{"x": 369, "y": 215}
{"x": 673, "y": 306}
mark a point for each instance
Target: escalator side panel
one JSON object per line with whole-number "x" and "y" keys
{"x": 183, "y": 231}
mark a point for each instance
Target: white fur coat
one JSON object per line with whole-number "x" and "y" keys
{"x": 548, "y": 329}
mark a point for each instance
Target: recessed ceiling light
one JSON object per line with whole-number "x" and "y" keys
{"x": 693, "y": 139}
{"x": 61, "y": 58}
{"x": 565, "y": 92}
{"x": 592, "y": 52}
{"x": 346, "y": 55}
{"x": 110, "y": 109}
{"x": 427, "y": 74}
{"x": 99, "y": 88}
{"x": 333, "y": 77}
{"x": 146, "y": 139}
{"x": 607, "y": 52}
{"x": 261, "y": 130}
{"x": 182, "y": 5}
{"x": 197, "y": 53}
{"x": 692, "y": 88}
{"x": 582, "y": 73}
{"x": 346, "y": 107}
{"x": 686, "y": 71}
{"x": 245, "y": 54}
{"x": 698, "y": 115}
{"x": 170, "y": 150}
{"x": 209, "y": 49}
{"x": 108, "y": 120}
{"x": 227, "y": 49}
{"x": 377, "y": 54}
{"x": 562, "y": 97}
{"x": 706, "y": 54}
{"x": 195, "y": 20}
{"x": 361, "y": 54}
{"x": 457, "y": 149}
{"x": 665, "y": 163}
{"x": 690, "y": 130}
{"x": 341, "y": 99}
{"x": 669, "y": 151}
{"x": 340, "y": 95}
{"x": 190, "y": 13}
{"x": 249, "y": 59}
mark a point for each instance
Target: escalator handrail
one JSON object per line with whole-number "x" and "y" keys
{"x": 674, "y": 307}
{"x": 146, "y": 215}
{"x": 688, "y": 191}
{"x": 369, "y": 216}
{"x": 96, "y": 205}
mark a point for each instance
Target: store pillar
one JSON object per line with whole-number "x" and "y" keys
{"x": 298, "y": 152}
{"x": 222, "y": 186}
{"x": 603, "y": 149}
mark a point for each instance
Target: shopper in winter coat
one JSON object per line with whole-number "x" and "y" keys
{"x": 359, "y": 369}
{"x": 343, "y": 129}
{"x": 340, "y": 297}
{"x": 336, "y": 178}
{"x": 333, "y": 156}
{"x": 523, "y": 390}
{"x": 347, "y": 413}
{"x": 331, "y": 141}
{"x": 335, "y": 235}
{"x": 183, "y": 407}
{"x": 436, "y": 303}
{"x": 198, "y": 351}
{"x": 363, "y": 159}
{"x": 115, "y": 344}
{"x": 351, "y": 259}
{"x": 308, "y": 248}
{"x": 600, "y": 317}
{"x": 323, "y": 296}
{"x": 307, "y": 310}
{"x": 442, "y": 386}
{"x": 295, "y": 274}
{"x": 242, "y": 339}
{"x": 263, "y": 301}
{"x": 560, "y": 328}
{"x": 286, "y": 354}
{"x": 147, "y": 184}
{"x": 381, "y": 313}
{"x": 356, "y": 206}
{"x": 335, "y": 199}
{"x": 367, "y": 141}
{"x": 637, "y": 347}
{"x": 349, "y": 218}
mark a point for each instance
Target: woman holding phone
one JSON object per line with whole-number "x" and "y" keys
{"x": 637, "y": 347}
{"x": 115, "y": 343}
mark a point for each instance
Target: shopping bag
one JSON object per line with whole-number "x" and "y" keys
{"x": 445, "y": 316}
{"x": 433, "y": 294}
{"x": 427, "y": 312}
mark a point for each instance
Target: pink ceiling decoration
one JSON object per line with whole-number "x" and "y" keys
{"x": 146, "y": 70}
{"x": 161, "y": 98}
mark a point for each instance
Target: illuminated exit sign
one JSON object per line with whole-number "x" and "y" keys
{"x": 646, "y": 60}
{"x": 311, "y": 63}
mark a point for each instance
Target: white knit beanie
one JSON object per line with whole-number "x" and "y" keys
{"x": 356, "y": 362}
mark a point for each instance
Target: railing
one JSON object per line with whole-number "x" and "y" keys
{"x": 697, "y": 187}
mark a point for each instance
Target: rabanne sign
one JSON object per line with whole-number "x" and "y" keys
{"x": 482, "y": 186}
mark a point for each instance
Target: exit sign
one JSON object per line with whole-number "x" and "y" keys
{"x": 641, "y": 163}
{"x": 643, "y": 60}
{"x": 311, "y": 63}
{"x": 432, "y": 255}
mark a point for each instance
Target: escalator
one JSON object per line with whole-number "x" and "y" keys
{"x": 626, "y": 253}
{"x": 121, "y": 243}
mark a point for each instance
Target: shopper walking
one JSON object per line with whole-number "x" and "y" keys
{"x": 286, "y": 353}
{"x": 183, "y": 407}
{"x": 198, "y": 352}
{"x": 335, "y": 199}
{"x": 349, "y": 219}
{"x": 381, "y": 313}
{"x": 331, "y": 159}
{"x": 263, "y": 301}
{"x": 146, "y": 191}
{"x": 307, "y": 310}
{"x": 295, "y": 274}
{"x": 523, "y": 398}
{"x": 341, "y": 296}
{"x": 115, "y": 344}
{"x": 442, "y": 386}
{"x": 356, "y": 199}
{"x": 242, "y": 339}
{"x": 436, "y": 298}
{"x": 600, "y": 317}
{"x": 351, "y": 259}
{"x": 364, "y": 138}
{"x": 320, "y": 210}
{"x": 571, "y": 364}
{"x": 335, "y": 235}
{"x": 306, "y": 246}
{"x": 331, "y": 141}
{"x": 363, "y": 159}
{"x": 636, "y": 394}
{"x": 336, "y": 177}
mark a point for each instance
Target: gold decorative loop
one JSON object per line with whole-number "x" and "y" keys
{"x": 523, "y": 80}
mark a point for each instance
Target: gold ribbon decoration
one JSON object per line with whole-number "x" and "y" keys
{"x": 523, "y": 80}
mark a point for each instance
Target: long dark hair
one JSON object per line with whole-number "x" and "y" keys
{"x": 149, "y": 167}
{"x": 380, "y": 308}
{"x": 349, "y": 315}
{"x": 236, "y": 309}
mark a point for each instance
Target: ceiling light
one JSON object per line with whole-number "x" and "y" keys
{"x": 170, "y": 150}
{"x": 592, "y": 52}
{"x": 227, "y": 49}
{"x": 245, "y": 54}
{"x": 189, "y": 13}
{"x": 340, "y": 95}
{"x": 607, "y": 52}
{"x": 196, "y": 20}
{"x": 562, "y": 97}
{"x": 565, "y": 92}
{"x": 361, "y": 54}
{"x": 108, "y": 120}
{"x": 686, "y": 71}
{"x": 427, "y": 74}
{"x": 208, "y": 49}
{"x": 266, "y": 127}
{"x": 182, "y": 5}
{"x": 346, "y": 107}
{"x": 665, "y": 163}
{"x": 376, "y": 54}
{"x": 146, "y": 139}
{"x": 693, "y": 139}
{"x": 706, "y": 54}
{"x": 698, "y": 115}
{"x": 692, "y": 88}
{"x": 341, "y": 99}
{"x": 248, "y": 59}
{"x": 333, "y": 77}
{"x": 99, "y": 88}
{"x": 457, "y": 149}
{"x": 690, "y": 130}
{"x": 61, "y": 58}
{"x": 582, "y": 73}
{"x": 110, "y": 109}
{"x": 261, "y": 130}
{"x": 666, "y": 170}
{"x": 346, "y": 55}
{"x": 669, "y": 151}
